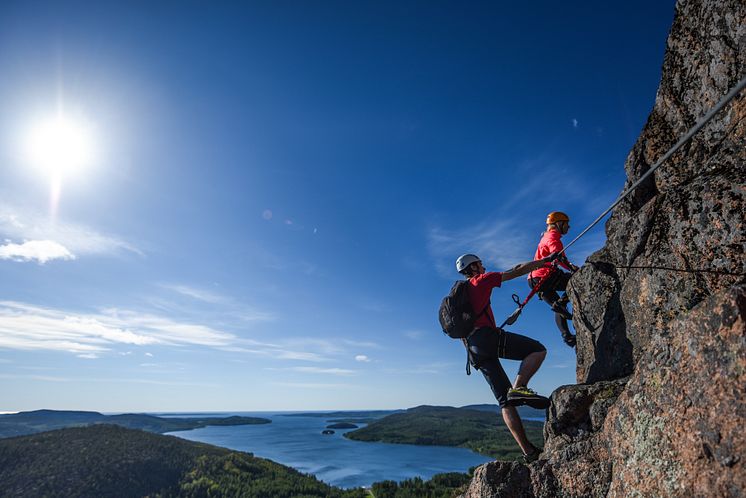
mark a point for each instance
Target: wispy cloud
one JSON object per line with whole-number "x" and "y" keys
{"x": 415, "y": 335}
{"x": 195, "y": 293}
{"x": 29, "y": 327}
{"x": 373, "y": 305}
{"x": 313, "y": 385}
{"x": 361, "y": 344}
{"x": 499, "y": 242}
{"x": 276, "y": 352}
{"x": 40, "y": 251}
{"x": 574, "y": 122}
{"x": 428, "y": 369}
{"x": 503, "y": 239}
{"x": 317, "y": 370}
{"x": 362, "y": 358}
{"x": 105, "y": 380}
{"x": 115, "y": 331}
{"x": 76, "y": 239}
{"x": 89, "y": 356}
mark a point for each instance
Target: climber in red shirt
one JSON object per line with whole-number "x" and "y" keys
{"x": 558, "y": 224}
{"x": 487, "y": 343}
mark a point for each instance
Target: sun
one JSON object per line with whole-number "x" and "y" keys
{"x": 59, "y": 146}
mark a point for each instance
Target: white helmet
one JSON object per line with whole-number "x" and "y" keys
{"x": 463, "y": 262}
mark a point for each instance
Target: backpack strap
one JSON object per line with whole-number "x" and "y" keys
{"x": 465, "y": 339}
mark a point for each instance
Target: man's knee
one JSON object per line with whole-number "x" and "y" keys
{"x": 540, "y": 354}
{"x": 509, "y": 412}
{"x": 537, "y": 356}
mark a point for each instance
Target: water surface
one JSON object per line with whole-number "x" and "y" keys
{"x": 297, "y": 442}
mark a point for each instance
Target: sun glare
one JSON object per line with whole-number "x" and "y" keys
{"x": 59, "y": 146}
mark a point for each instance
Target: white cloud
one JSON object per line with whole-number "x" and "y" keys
{"x": 38, "y": 250}
{"x": 89, "y": 356}
{"x": 361, "y": 344}
{"x": 194, "y": 293}
{"x": 373, "y": 305}
{"x": 77, "y": 239}
{"x": 116, "y": 331}
{"x": 415, "y": 335}
{"x": 312, "y": 385}
{"x": 318, "y": 370}
{"x": 105, "y": 380}
{"x": 505, "y": 239}
{"x": 574, "y": 123}
{"x": 500, "y": 243}
{"x": 28, "y": 327}
{"x": 362, "y": 358}
{"x": 429, "y": 369}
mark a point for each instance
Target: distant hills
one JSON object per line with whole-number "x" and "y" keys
{"x": 480, "y": 430}
{"x": 22, "y": 423}
{"x": 108, "y": 460}
{"x": 101, "y": 457}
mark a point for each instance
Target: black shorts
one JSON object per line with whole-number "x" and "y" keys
{"x": 487, "y": 345}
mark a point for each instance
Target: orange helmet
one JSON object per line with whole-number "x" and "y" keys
{"x": 556, "y": 216}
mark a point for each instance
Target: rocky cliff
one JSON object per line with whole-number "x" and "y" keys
{"x": 660, "y": 310}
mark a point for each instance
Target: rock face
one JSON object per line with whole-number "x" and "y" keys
{"x": 679, "y": 237}
{"x": 676, "y": 429}
{"x": 660, "y": 311}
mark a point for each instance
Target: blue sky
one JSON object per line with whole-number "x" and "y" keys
{"x": 275, "y": 192}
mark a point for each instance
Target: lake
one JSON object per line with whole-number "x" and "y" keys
{"x": 297, "y": 442}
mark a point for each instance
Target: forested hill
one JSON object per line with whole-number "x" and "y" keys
{"x": 22, "y": 423}
{"x": 482, "y": 431}
{"x": 108, "y": 460}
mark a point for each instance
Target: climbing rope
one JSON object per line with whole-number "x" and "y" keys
{"x": 666, "y": 268}
{"x": 705, "y": 119}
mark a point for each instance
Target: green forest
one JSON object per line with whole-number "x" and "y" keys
{"x": 109, "y": 460}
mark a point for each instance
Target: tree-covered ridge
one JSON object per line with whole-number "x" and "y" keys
{"x": 479, "y": 430}
{"x": 108, "y": 460}
{"x": 22, "y": 423}
{"x": 440, "y": 486}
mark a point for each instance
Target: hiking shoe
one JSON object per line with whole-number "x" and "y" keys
{"x": 525, "y": 396}
{"x": 569, "y": 340}
{"x": 532, "y": 456}
{"x": 561, "y": 310}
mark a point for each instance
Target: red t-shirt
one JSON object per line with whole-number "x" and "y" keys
{"x": 550, "y": 242}
{"x": 480, "y": 290}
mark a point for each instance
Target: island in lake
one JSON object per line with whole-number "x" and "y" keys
{"x": 342, "y": 425}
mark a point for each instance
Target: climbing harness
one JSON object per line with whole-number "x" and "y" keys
{"x": 705, "y": 119}
{"x": 517, "y": 300}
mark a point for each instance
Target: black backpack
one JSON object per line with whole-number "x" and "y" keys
{"x": 456, "y": 315}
